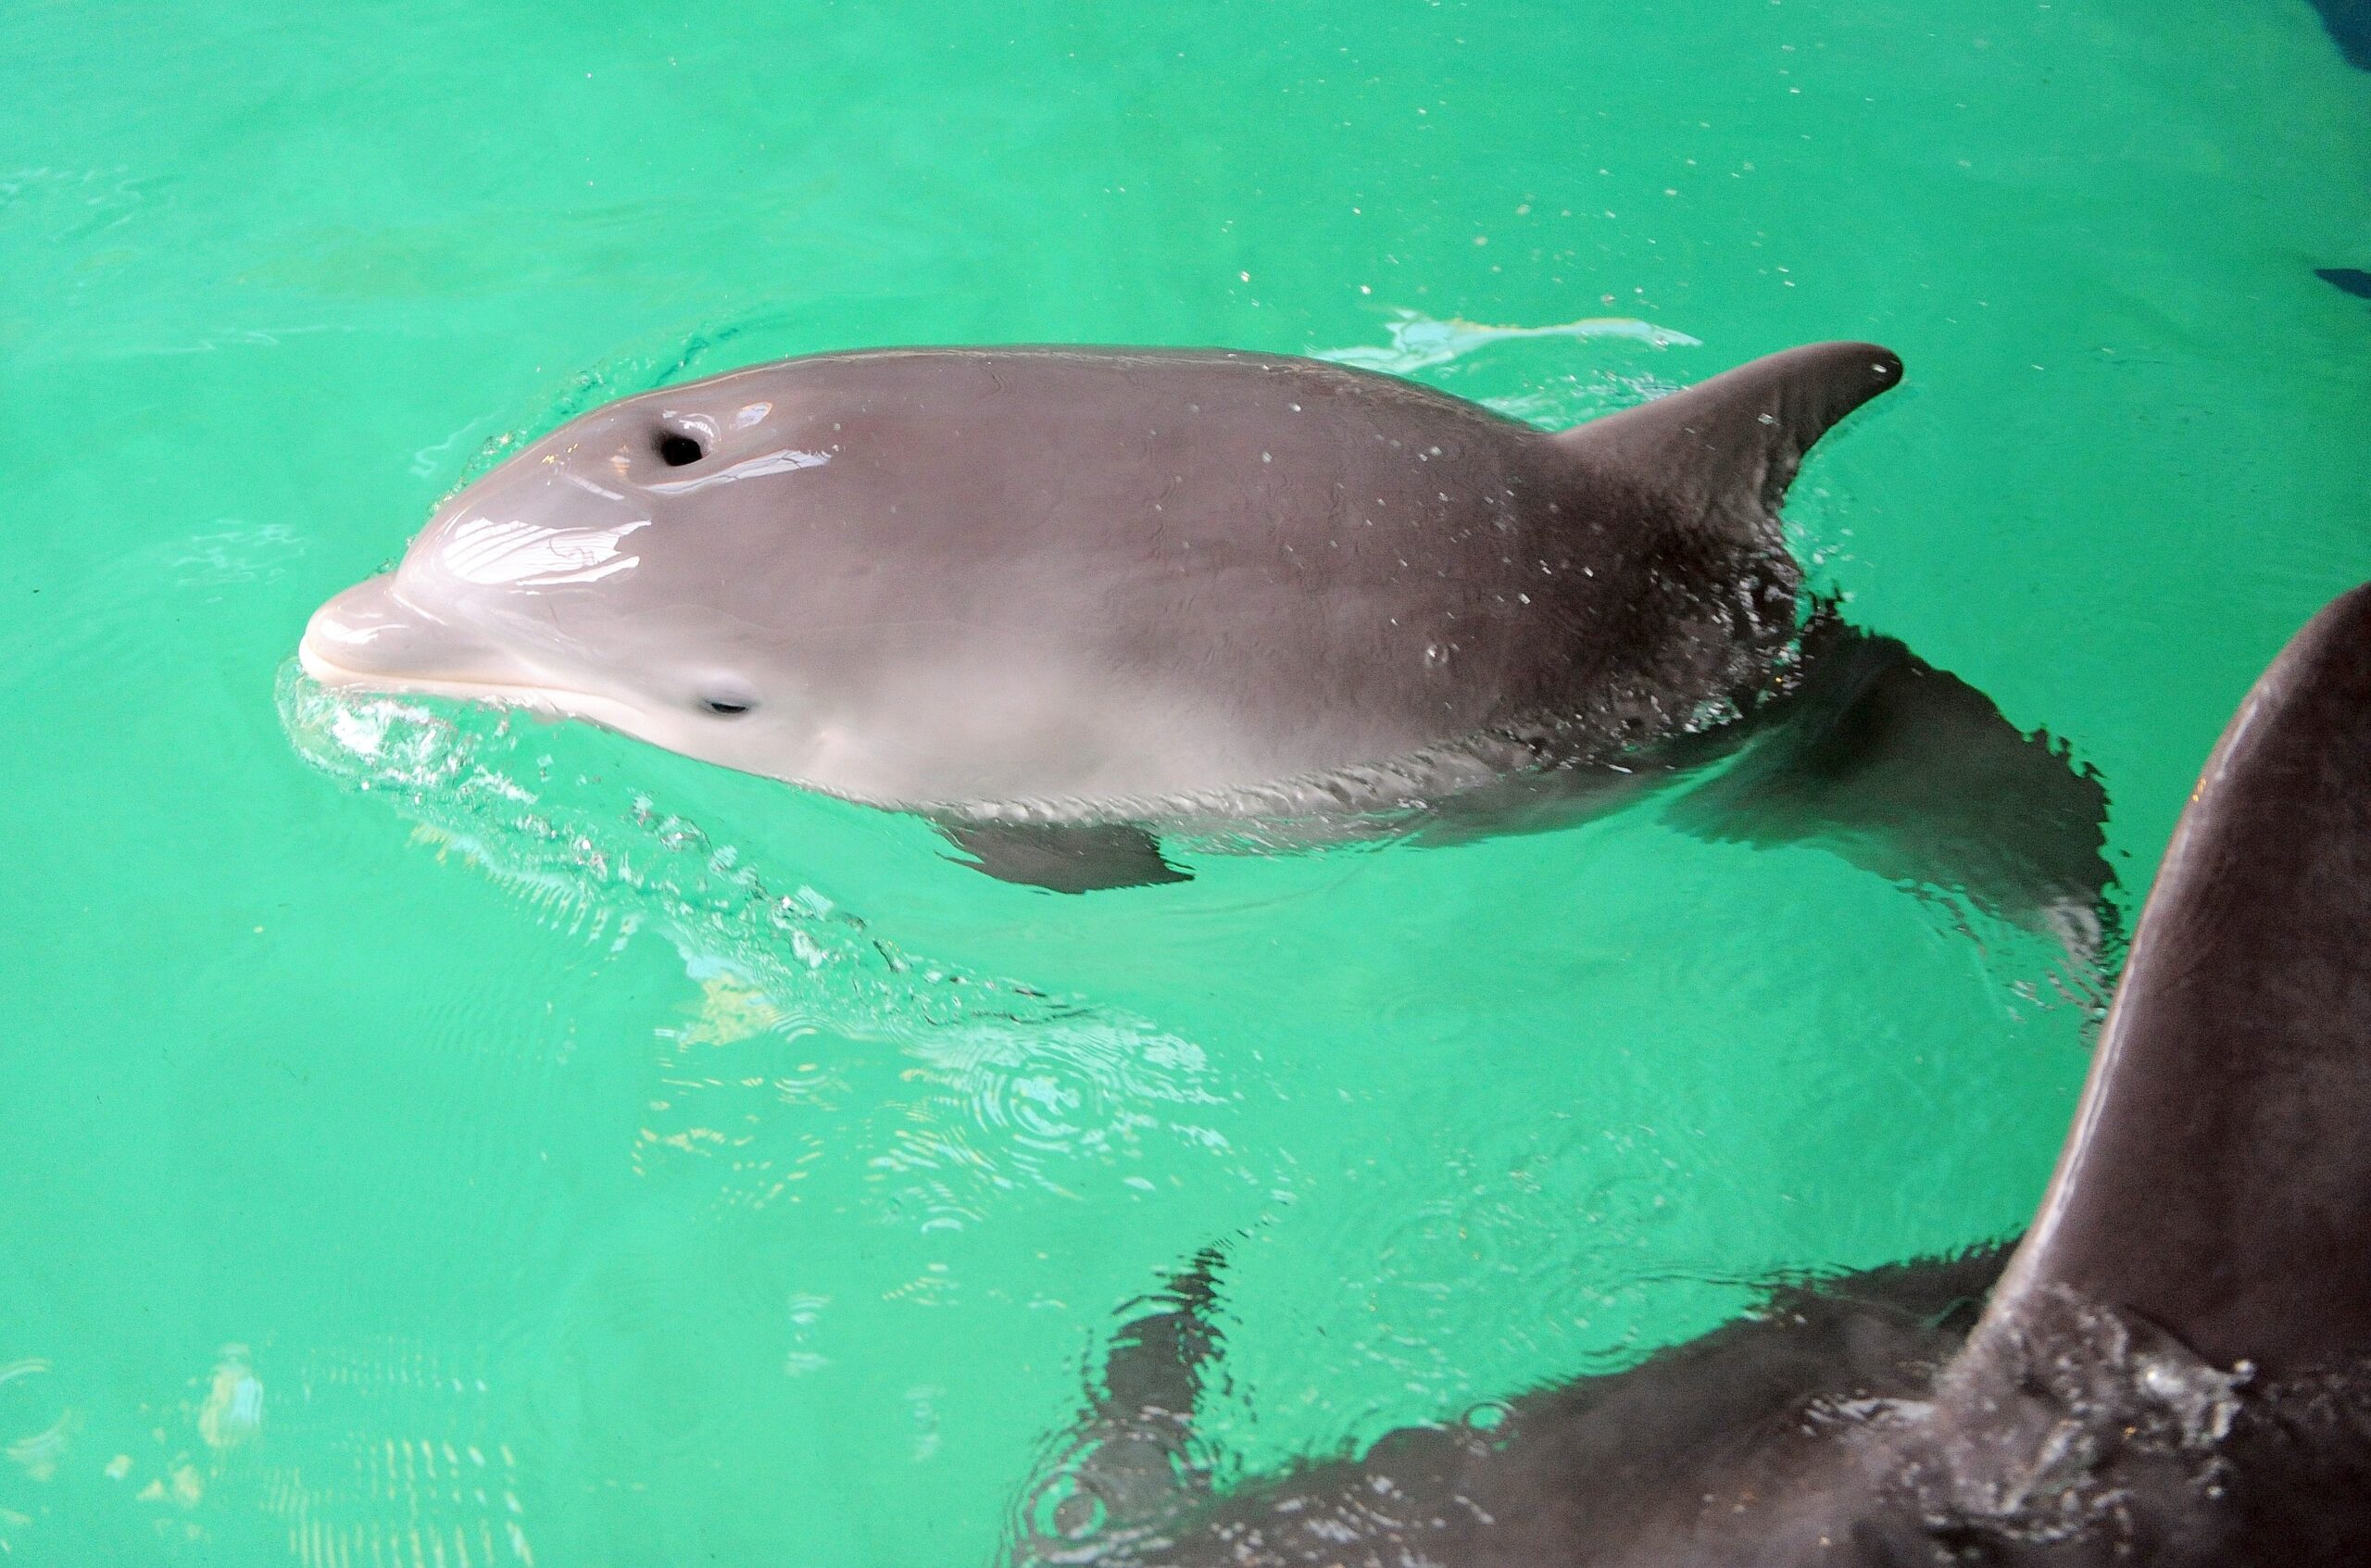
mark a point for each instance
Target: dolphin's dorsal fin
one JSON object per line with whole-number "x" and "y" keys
{"x": 2217, "y": 1181}
{"x": 1725, "y": 449}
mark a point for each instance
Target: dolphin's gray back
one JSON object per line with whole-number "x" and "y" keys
{"x": 1297, "y": 565}
{"x": 1182, "y": 518}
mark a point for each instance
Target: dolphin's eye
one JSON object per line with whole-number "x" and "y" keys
{"x": 726, "y": 694}
{"x": 675, "y": 449}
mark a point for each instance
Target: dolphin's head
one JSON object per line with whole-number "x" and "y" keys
{"x": 613, "y": 571}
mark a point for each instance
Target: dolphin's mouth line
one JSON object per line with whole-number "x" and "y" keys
{"x": 556, "y": 701}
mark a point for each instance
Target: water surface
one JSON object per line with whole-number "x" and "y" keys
{"x": 433, "y": 1140}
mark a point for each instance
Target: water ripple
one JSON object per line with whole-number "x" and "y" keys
{"x": 992, "y": 1085}
{"x": 1419, "y": 342}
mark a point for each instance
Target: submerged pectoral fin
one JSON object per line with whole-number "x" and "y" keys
{"x": 1906, "y": 770}
{"x": 1124, "y": 1466}
{"x": 1065, "y": 856}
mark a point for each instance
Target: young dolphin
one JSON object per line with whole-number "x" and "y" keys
{"x": 1060, "y": 598}
{"x": 2174, "y": 1369}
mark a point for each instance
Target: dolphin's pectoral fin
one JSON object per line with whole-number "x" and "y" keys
{"x": 1911, "y": 772}
{"x": 1065, "y": 856}
{"x": 1125, "y": 1467}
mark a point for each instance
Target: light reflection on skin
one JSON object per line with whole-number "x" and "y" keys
{"x": 529, "y": 556}
{"x": 786, "y": 461}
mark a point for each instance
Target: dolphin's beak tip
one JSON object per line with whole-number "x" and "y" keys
{"x": 316, "y": 667}
{"x": 345, "y": 624}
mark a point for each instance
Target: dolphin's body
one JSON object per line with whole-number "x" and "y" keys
{"x": 2174, "y": 1370}
{"x": 1052, "y": 597}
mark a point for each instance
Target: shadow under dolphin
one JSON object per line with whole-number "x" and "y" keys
{"x": 2173, "y": 1367}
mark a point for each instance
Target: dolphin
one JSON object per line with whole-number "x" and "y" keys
{"x": 1062, "y": 599}
{"x": 2346, "y": 280}
{"x": 2349, "y": 24}
{"x": 2173, "y": 1367}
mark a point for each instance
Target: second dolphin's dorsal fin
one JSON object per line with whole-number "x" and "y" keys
{"x": 2217, "y": 1181}
{"x": 1724, "y": 450}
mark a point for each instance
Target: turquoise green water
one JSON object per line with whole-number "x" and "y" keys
{"x": 558, "y": 1151}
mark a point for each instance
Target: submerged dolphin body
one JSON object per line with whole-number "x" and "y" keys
{"x": 2174, "y": 1369}
{"x": 1054, "y": 598}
